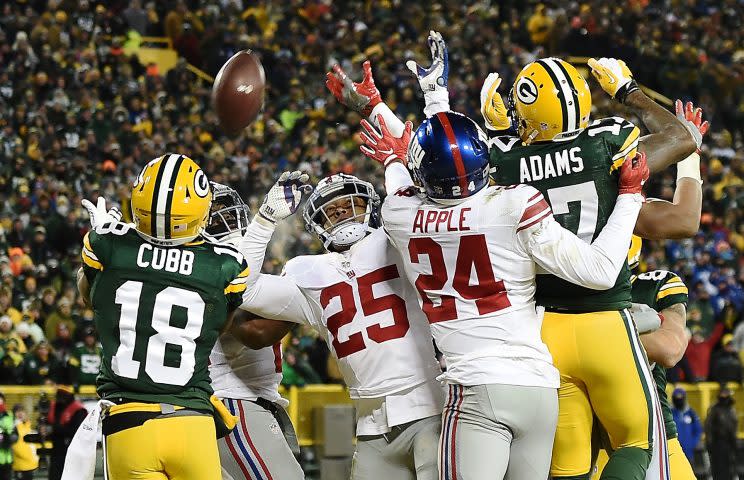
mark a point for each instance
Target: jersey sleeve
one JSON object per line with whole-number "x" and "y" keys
{"x": 562, "y": 253}
{"x": 278, "y": 298}
{"x": 397, "y": 211}
{"x": 95, "y": 253}
{"x": 619, "y": 136}
{"x": 672, "y": 290}
{"x": 236, "y": 284}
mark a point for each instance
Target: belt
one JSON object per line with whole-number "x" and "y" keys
{"x": 396, "y": 430}
{"x": 126, "y": 415}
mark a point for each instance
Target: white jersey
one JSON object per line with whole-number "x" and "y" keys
{"x": 242, "y": 373}
{"x": 474, "y": 266}
{"x": 368, "y": 314}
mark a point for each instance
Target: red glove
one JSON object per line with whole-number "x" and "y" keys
{"x": 633, "y": 174}
{"x": 383, "y": 146}
{"x": 360, "y": 97}
{"x": 692, "y": 118}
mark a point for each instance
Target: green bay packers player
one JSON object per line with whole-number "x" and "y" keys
{"x": 590, "y": 334}
{"x": 663, "y": 292}
{"x": 161, "y": 296}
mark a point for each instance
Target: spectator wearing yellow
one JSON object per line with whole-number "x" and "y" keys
{"x": 62, "y": 315}
{"x": 25, "y": 458}
{"x": 8, "y": 333}
{"x": 539, "y": 26}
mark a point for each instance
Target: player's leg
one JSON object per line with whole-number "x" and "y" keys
{"x": 679, "y": 465}
{"x": 473, "y": 445}
{"x": 188, "y": 446}
{"x": 256, "y": 448}
{"x": 658, "y": 469}
{"x": 534, "y": 415}
{"x": 424, "y": 446}
{"x": 572, "y": 450}
{"x": 620, "y": 388}
{"x": 375, "y": 460}
{"x": 131, "y": 454}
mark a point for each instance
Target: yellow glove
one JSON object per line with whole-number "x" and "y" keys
{"x": 493, "y": 108}
{"x": 614, "y": 77}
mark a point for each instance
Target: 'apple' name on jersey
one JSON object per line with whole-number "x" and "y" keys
{"x": 437, "y": 219}
{"x": 537, "y": 167}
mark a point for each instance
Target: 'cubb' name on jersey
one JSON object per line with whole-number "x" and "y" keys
{"x": 439, "y": 218}
{"x": 172, "y": 260}
{"x": 537, "y": 167}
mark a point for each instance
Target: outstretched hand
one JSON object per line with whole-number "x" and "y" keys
{"x": 361, "y": 97}
{"x": 382, "y": 146}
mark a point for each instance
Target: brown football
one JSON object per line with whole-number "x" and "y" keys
{"x": 238, "y": 91}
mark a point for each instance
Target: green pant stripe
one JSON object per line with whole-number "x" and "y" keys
{"x": 639, "y": 357}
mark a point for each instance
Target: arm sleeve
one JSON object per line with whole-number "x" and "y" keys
{"x": 92, "y": 254}
{"x": 394, "y": 124}
{"x": 253, "y": 248}
{"x": 278, "y": 298}
{"x": 396, "y": 178}
{"x": 562, "y": 253}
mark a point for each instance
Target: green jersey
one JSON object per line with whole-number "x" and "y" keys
{"x": 158, "y": 311}
{"x": 660, "y": 289}
{"x": 86, "y": 363}
{"x": 578, "y": 176}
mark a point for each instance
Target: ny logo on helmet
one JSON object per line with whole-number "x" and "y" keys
{"x": 415, "y": 153}
{"x": 526, "y": 91}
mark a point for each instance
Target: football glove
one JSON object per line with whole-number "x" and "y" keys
{"x": 433, "y": 80}
{"x": 382, "y": 146}
{"x": 493, "y": 108}
{"x": 633, "y": 174}
{"x": 646, "y": 318}
{"x": 284, "y": 196}
{"x": 98, "y": 213}
{"x": 614, "y": 77}
{"x": 360, "y": 97}
{"x": 692, "y": 119}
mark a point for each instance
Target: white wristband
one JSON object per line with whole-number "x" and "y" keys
{"x": 436, "y": 101}
{"x": 690, "y": 168}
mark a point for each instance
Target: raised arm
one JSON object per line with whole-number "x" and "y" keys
{"x": 271, "y": 296}
{"x": 670, "y": 140}
{"x": 391, "y": 150}
{"x": 680, "y": 218}
{"x": 562, "y": 253}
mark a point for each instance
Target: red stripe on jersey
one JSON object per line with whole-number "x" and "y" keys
{"x": 537, "y": 219}
{"x": 534, "y": 197}
{"x": 533, "y": 210}
{"x": 456, "y": 155}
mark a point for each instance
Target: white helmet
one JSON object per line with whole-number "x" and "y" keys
{"x": 349, "y": 231}
{"x": 228, "y": 217}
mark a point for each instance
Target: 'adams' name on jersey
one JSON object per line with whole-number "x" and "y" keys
{"x": 578, "y": 176}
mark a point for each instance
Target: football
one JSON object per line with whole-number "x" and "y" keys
{"x": 238, "y": 91}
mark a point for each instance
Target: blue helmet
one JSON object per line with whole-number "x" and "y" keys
{"x": 449, "y": 156}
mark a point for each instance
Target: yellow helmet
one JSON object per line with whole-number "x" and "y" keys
{"x": 550, "y": 98}
{"x": 171, "y": 199}
{"x": 634, "y": 252}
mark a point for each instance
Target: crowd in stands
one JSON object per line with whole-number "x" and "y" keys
{"x": 81, "y": 116}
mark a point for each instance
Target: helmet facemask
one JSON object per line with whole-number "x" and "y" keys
{"x": 229, "y": 216}
{"x": 342, "y": 211}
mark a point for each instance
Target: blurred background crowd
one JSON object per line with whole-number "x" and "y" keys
{"x": 81, "y": 117}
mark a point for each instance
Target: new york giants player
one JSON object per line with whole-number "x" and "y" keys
{"x": 472, "y": 252}
{"x": 264, "y": 444}
{"x": 357, "y": 298}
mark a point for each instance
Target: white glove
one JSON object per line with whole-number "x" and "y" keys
{"x": 433, "y": 80}
{"x": 646, "y": 318}
{"x": 284, "y": 197}
{"x": 98, "y": 213}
